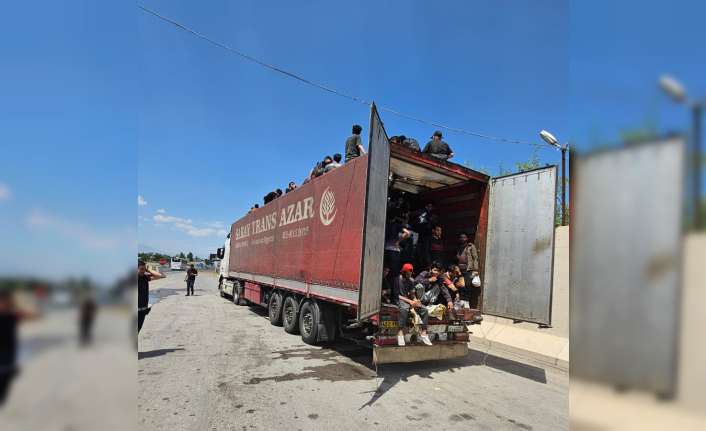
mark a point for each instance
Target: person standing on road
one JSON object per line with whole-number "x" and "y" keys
{"x": 354, "y": 146}
{"x": 144, "y": 275}
{"x": 190, "y": 279}
{"x": 86, "y": 317}
{"x": 10, "y": 317}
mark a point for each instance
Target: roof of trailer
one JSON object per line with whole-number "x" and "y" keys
{"x": 415, "y": 172}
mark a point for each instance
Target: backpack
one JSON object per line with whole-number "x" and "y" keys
{"x": 431, "y": 295}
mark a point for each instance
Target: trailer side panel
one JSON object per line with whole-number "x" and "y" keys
{"x": 308, "y": 240}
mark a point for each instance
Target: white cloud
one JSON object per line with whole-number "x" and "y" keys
{"x": 215, "y": 224}
{"x": 160, "y": 218}
{"x": 141, "y": 201}
{"x": 86, "y": 235}
{"x": 5, "y": 192}
{"x": 161, "y": 211}
{"x": 187, "y": 226}
{"x": 206, "y": 231}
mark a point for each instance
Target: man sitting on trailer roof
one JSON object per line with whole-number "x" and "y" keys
{"x": 336, "y": 163}
{"x": 404, "y": 295}
{"x": 437, "y": 148}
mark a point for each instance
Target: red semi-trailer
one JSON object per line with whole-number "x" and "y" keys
{"x": 314, "y": 257}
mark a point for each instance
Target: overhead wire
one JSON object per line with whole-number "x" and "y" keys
{"x": 330, "y": 89}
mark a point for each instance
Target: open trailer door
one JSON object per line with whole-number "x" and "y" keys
{"x": 370, "y": 291}
{"x": 519, "y": 257}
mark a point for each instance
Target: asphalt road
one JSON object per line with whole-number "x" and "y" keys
{"x": 207, "y": 364}
{"x": 62, "y": 386}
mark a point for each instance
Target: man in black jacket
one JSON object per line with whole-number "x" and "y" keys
{"x": 435, "y": 278}
{"x": 144, "y": 275}
{"x": 191, "y": 274}
{"x": 10, "y": 317}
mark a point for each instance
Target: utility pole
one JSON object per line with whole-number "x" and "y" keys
{"x": 554, "y": 142}
{"x": 696, "y": 113}
{"x": 678, "y": 93}
{"x": 563, "y": 184}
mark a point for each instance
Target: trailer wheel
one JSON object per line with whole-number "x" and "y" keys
{"x": 290, "y": 315}
{"x": 237, "y": 300}
{"x": 309, "y": 322}
{"x": 274, "y": 309}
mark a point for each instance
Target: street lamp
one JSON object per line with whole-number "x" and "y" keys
{"x": 554, "y": 142}
{"x": 678, "y": 93}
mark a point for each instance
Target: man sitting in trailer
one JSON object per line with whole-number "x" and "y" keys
{"x": 405, "y": 297}
{"x": 436, "y": 286}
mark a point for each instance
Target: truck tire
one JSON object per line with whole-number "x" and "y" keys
{"x": 237, "y": 300}
{"x": 290, "y": 315}
{"x": 309, "y": 322}
{"x": 274, "y": 309}
{"x": 220, "y": 286}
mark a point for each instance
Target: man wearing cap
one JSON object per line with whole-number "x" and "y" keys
{"x": 354, "y": 146}
{"x": 405, "y": 297}
{"x": 438, "y": 148}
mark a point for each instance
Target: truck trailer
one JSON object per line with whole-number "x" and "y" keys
{"x": 314, "y": 256}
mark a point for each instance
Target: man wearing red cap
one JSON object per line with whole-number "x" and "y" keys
{"x": 405, "y": 296}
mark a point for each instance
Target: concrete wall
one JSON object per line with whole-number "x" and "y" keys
{"x": 692, "y": 349}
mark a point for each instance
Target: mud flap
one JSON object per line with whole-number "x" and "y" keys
{"x": 396, "y": 354}
{"x": 327, "y": 323}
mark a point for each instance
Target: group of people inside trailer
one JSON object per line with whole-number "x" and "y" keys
{"x": 420, "y": 276}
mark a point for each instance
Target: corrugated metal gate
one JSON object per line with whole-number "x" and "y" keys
{"x": 520, "y": 246}
{"x": 625, "y": 272}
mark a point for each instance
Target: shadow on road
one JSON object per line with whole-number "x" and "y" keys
{"x": 395, "y": 373}
{"x": 363, "y": 368}
{"x": 157, "y": 352}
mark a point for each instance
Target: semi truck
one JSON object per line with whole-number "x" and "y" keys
{"x": 314, "y": 256}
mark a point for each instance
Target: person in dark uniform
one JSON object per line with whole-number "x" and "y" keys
{"x": 87, "y": 315}
{"x": 190, "y": 279}
{"x": 144, "y": 275}
{"x": 10, "y": 317}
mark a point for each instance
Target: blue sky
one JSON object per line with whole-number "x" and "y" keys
{"x": 103, "y": 102}
{"x": 225, "y": 131}
{"x": 68, "y": 139}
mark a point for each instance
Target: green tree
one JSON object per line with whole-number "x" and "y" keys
{"x": 181, "y": 255}
{"x": 531, "y": 163}
{"x": 190, "y": 256}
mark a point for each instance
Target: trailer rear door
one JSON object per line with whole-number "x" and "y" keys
{"x": 519, "y": 256}
{"x": 375, "y": 219}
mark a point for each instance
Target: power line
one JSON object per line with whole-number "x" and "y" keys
{"x": 329, "y": 89}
